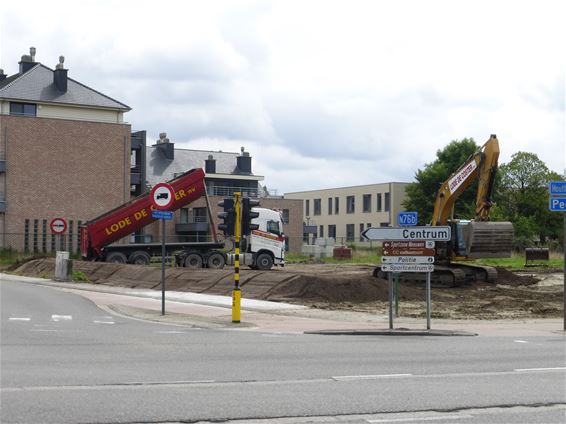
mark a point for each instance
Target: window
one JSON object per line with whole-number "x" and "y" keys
{"x": 330, "y": 206}
{"x": 368, "y": 225}
{"x": 307, "y": 207}
{"x": 332, "y": 231}
{"x": 200, "y": 215}
{"x": 350, "y": 204}
{"x": 285, "y": 216}
{"x": 321, "y": 231}
{"x": 317, "y": 206}
{"x": 387, "y": 202}
{"x": 367, "y": 202}
{"x": 361, "y": 231}
{"x": 23, "y": 109}
{"x": 184, "y": 216}
{"x": 379, "y": 202}
{"x": 273, "y": 227}
{"x": 336, "y": 205}
{"x": 349, "y": 232}
{"x": 384, "y": 224}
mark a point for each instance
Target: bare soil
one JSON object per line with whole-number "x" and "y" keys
{"x": 536, "y": 293}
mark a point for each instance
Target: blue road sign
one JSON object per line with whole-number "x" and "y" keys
{"x": 557, "y": 204}
{"x": 162, "y": 214}
{"x": 557, "y": 188}
{"x": 405, "y": 219}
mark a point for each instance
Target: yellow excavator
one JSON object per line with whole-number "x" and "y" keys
{"x": 476, "y": 238}
{"x": 470, "y": 239}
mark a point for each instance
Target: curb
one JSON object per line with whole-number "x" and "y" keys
{"x": 392, "y": 332}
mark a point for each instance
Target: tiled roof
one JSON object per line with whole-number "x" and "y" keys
{"x": 36, "y": 85}
{"x": 161, "y": 169}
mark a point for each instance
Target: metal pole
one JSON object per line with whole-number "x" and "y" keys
{"x": 162, "y": 266}
{"x": 564, "y": 259}
{"x": 236, "y": 293}
{"x": 428, "y": 306}
{"x": 390, "y": 279}
{"x": 397, "y": 275}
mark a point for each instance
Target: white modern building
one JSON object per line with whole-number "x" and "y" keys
{"x": 344, "y": 213}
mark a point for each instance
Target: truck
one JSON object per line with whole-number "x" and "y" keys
{"x": 262, "y": 249}
{"x": 470, "y": 238}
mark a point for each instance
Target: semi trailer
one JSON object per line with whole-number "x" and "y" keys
{"x": 264, "y": 247}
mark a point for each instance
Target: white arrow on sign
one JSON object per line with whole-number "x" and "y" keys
{"x": 440, "y": 233}
{"x": 407, "y": 259}
{"x": 407, "y": 268}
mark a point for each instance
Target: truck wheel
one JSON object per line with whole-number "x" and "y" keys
{"x": 116, "y": 258}
{"x": 264, "y": 261}
{"x": 193, "y": 261}
{"x": 216, "y": 261}
{"x": 139, "y": 258}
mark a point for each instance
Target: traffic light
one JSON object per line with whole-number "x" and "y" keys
{"x": 228, "y": 216}
{"x": 248, "y": 215}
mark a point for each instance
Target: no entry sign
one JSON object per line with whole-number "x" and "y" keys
{"x": 58, "y": 226}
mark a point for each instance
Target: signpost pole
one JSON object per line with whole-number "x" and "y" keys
{"x": 396, "y": 279}
{"x": 162, "y": 266}
{"x": 564, "y": 259}
{"x": 428, "y": 308}
{"x": 390, "y": 279}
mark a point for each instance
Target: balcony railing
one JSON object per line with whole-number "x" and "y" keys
{"x": 229, "y": 191}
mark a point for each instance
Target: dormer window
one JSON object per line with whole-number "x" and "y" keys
{"x": 23, "y": 109}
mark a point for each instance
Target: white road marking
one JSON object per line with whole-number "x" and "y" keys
{"x": 103, "y": 322}
{"x": 58, "y": 318}
{"x": 20, "y": 319}
{"x": 520, "y": 341}
{"x": 539, "y": 369}
{"x": 368, "y": 377}
{"x": 419, "y": 419}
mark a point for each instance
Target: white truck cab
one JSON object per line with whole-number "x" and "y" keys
{"x": 265, "y": 246}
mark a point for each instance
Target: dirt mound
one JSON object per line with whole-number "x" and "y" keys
{"x": 338, "y": 289}
{"x": 335, "y": 287}
{"x": 508, "y": 278}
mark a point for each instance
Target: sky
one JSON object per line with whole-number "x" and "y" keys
{"x": 322, "y": 94}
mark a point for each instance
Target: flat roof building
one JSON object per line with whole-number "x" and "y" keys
{"x": 344, "y": 213}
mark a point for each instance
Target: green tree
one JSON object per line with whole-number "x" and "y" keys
{"x": 522, "y": 198}
{"x": 421, "y": 194}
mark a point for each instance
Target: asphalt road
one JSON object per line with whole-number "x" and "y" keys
{"x": 64, "y": 360}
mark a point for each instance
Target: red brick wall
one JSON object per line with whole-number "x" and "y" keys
{"x": 62, "y": 168}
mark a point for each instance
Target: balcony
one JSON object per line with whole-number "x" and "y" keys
{"x": 196, "y": 224}
{"x": 229, "y": 191}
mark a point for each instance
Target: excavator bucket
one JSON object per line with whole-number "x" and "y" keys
{"x": 486, "y": 239}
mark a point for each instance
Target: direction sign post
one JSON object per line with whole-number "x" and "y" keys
{"x": 557, "y": 203}
{"x": 408, "y": 249}
{"x": 162, "y": 197}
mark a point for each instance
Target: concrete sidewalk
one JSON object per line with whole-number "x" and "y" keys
{"x": 193, "y": 309}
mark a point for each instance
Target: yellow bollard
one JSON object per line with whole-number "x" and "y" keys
{"x": 236, "y": 300}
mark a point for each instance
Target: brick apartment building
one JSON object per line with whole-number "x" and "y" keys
{"x": 65, "y": 151}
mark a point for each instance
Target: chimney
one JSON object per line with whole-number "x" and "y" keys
{"x": 166, "y": 148}
{"x": 244, "y": 162}
{"x": 210, "y": 165}
{"x": 60, "y": 76}
{"x": 28, "y": 61}
{"x": 2, "y": 75}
